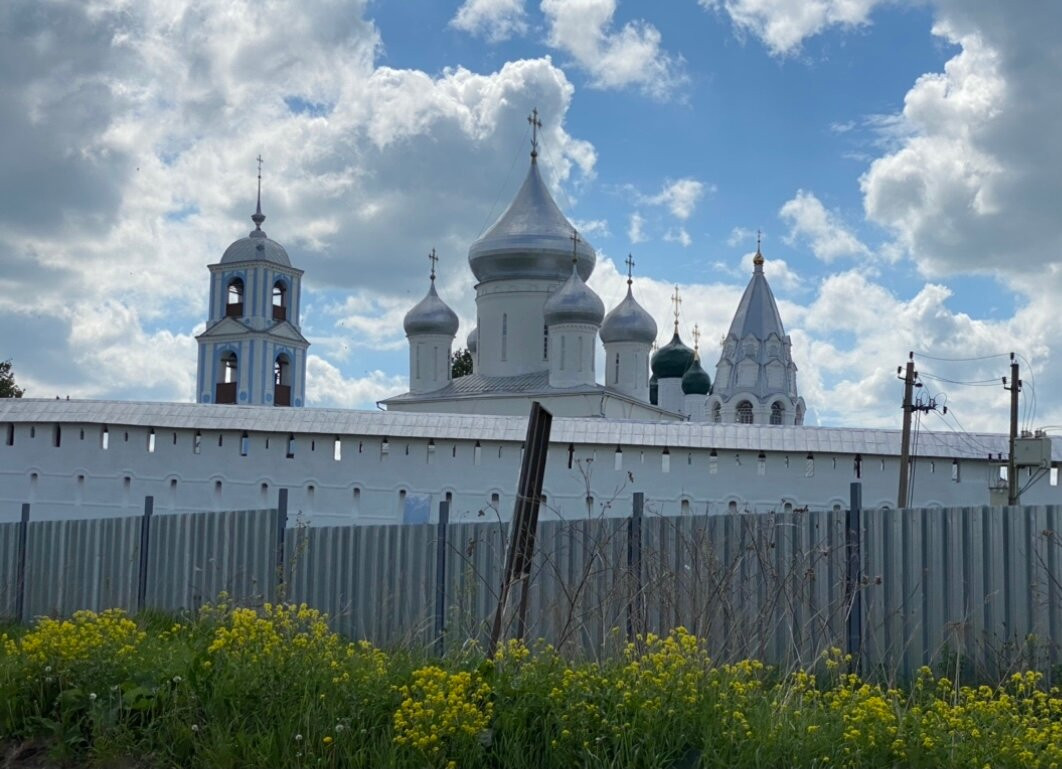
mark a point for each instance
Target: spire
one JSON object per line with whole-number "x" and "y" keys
{"x": 675, "y": 300}
{"x": 433, "y": 259}
{"x": 535, "y": 125}
{"x": 630, "y": 270}
{"x": 258, "y": 216}
{"x": 757, "y": 260}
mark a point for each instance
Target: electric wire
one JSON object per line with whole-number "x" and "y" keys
{"x": 505, "y": 185}
{"x": 927, "y": 356}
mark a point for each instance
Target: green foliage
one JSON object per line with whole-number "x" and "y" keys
{"x": 236, "y": 687}
{"x": 8, "y": 388}
{"x": 462, "y": 364}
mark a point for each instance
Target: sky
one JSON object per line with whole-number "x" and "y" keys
{"x": 901, "y": 160}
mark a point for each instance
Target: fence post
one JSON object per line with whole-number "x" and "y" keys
{"x": 854, "y": 571}
{"x": 440, "y": 575}
{"x": 282, "y": 526}
{"x": 20, "y": 576}
{"x": 145, "y": 543}
{"x": 634, "y": 562}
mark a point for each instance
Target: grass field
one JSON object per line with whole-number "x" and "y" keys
{"x": 235, "y": 687}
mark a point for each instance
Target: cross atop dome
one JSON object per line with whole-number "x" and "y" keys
{"x": 576, "y": 240}
{"x": 676, "y": 300}
{"x": 757, "y": 260}
{"x": 433, "y": 259}
{"x": 535, "y": 125}
{"x": 629, "y": 261}
{"x": 258, "y": 217}
{"x": 696, "y": 337}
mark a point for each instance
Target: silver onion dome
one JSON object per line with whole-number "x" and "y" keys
{"x": 628, "y": 322}
{"x": 431, "y": 315}
{"x": 472, "y": 341}
{"x": 256, "y": 246}
{"x": 531, "y": 240}
{"x": 574, "y": 302}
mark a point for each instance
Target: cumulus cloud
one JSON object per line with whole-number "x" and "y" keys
{"x": 810, "y": 222}
{"x": 495, "y": 20}
{"x": 783, "y": 25}
{"x": 679, "y": 196}
{"x": 128, "y": 166}
{"x": 678, "y": 235}
{"x": 326, "y": 386}
{"x": 629, "y": 57}
{"x": 636, "y": 228}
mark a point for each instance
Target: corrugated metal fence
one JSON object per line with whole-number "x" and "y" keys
{"x": 980, "y": 587}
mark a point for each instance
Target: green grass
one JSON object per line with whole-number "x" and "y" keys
{"x": 237, "y": 688}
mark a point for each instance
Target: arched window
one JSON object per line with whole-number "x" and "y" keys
{"x": 777, "y": 413}
{"x": 744, "y": 413}
{"x": 799, "y": 420}
{"x": 234, "y": 307}
{"x": 280, "y": 301}
{"x": 717, "y": 412}
{"x": 282, "y": 381}
{"x": 228, "y": 378}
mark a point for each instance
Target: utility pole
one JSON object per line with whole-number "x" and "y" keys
{"x": 905, "y": 440}
{"x": 1013, "y": 496}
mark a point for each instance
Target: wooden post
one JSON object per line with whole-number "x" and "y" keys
{"x": 635, "y": 617}
{"x": 905, "y": 438}
{"x": 282, "y": 527}
{"x": 145, "y": 544}
{"x": 440, "y": 575}
{"x": 854, "y": 571}
{"x": 20, "y": 576}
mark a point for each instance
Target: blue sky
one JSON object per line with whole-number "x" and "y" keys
{"x": 899, "y": 158}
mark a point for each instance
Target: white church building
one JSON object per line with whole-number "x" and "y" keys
{"x": 650, "y": 422}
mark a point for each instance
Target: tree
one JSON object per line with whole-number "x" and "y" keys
{"x": 8, "y": 388}
{"x": 462, "y": 363}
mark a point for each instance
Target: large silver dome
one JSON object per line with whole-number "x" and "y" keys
{"x": 628, "y": 322}
{"x": 472, "y": 340}
{"x": 256, "y": 246}
{"x": 574, "y": 302}
{"x": 532, "y": 239}
{"x": 431, "y": 315}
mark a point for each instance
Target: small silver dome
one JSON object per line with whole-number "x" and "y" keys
{"x": 574, "y": 302}
{"x": 531, "y": 240}
{"x": 256, "y": 247}
{"x": 628, "y": 322}
{"x": 472, "y": 341}
{"x": 431, "y": 315}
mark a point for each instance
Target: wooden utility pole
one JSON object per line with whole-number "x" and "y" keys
{"x": 1013, "y": 495}
{"x": 905, "y": 439}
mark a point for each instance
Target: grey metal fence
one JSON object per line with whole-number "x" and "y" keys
{"x": 978, "y": 587}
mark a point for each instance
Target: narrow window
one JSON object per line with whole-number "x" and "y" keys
{"x": 495, "y": 500}
{"x": 857, "y": 465}
{"x": 932, "y": 467}
{"x": 10, "y": 441}
{"x": 416, "y": 361}
{"x": 665, "y": 461}
{"x": 280, "y": 303}
{"x": 57, "y": 435}
{"x": 197, "y": 442}
{"x": 311, "y": 490}
{"x": 777, "y": 413}
{"x": 618, "y": 462}
{"x": 788, "y": 507}
{"x": 217, "y": 489}
{"x": 291, "y": 446}
{"x": 282, "y": 380}
{"x": 401, "y": 503}
{"x": 955, "y": 470}
{"x": 33, "y": 432}
{"x": 245, "y": 444}
{"x": 265, "y": 494}
{"x": 717, "y": 412}
{"x": 431, "y": 451}
{"x": 809, "y": 468}
{"x": 713, "y": 462}
{"x": 356, "y": 502}
{"x": 151, "y": 441}
{"x": 589, "y": 504}
{"x": 564, "y": 351}
{"x": 385, "y": 447}
{"x": 477, "y": 453}
{"x": 234, "y": 305}
{"x": 1054, "y": 476}
{"x": 579, "y": 359}
{"x": 81, "y": 435}
{"x": 744, "y": 413}
{"x": 684, "y": 507}
{"x": 313, "y": 445}
{"x": 175, "y": 438}
{"x": 545, "y": 343}
{"x": 337, "y": 449}
{"x": 505, "y": 336}
{"x": 125, "y": 437}
{"x": 731, "y": 507}
{"x": 571, "y": 454}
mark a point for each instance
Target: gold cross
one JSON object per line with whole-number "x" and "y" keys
{"x": 433, "y": 258}
{"x": 696, "y": 337}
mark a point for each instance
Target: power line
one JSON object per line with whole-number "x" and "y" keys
{"x": 927, "y": 356}
{"x": 993, "y": 382}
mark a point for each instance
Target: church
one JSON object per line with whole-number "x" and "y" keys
{"x": 653, "y": 421}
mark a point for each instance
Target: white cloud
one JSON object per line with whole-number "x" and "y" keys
{"x": 739, "y": 235}
{"x": 631, "y": 56}
{"x": 678, "y": 235}
{"x": 591, "y": 227}
{"x": 495, "y": 20}
{"x": 809, "y": 221}
{"x": 636, "y": 229}
{"x": 327, "y": 387}
{"x": 680, "y": 197}
{"x": 783, "y": 25}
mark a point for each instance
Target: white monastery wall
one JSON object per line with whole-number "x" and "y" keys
{"x": 373, "y": 479}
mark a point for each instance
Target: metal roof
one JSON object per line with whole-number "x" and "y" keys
{"x": 587, "y": 430}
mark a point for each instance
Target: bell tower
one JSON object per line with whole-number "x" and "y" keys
{"x": 253, "y": 351}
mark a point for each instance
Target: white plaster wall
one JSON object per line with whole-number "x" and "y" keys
{"x": 432, "y": 371}
{"x": 633, "y": 378}
{"x": 80, "y": 479}
{"x": 573, "y": 348}
{"x": 669, "y": 394}
{"x": 522, "y": 302}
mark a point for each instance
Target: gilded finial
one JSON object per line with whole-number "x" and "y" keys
{"x": 757, "y": 260}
